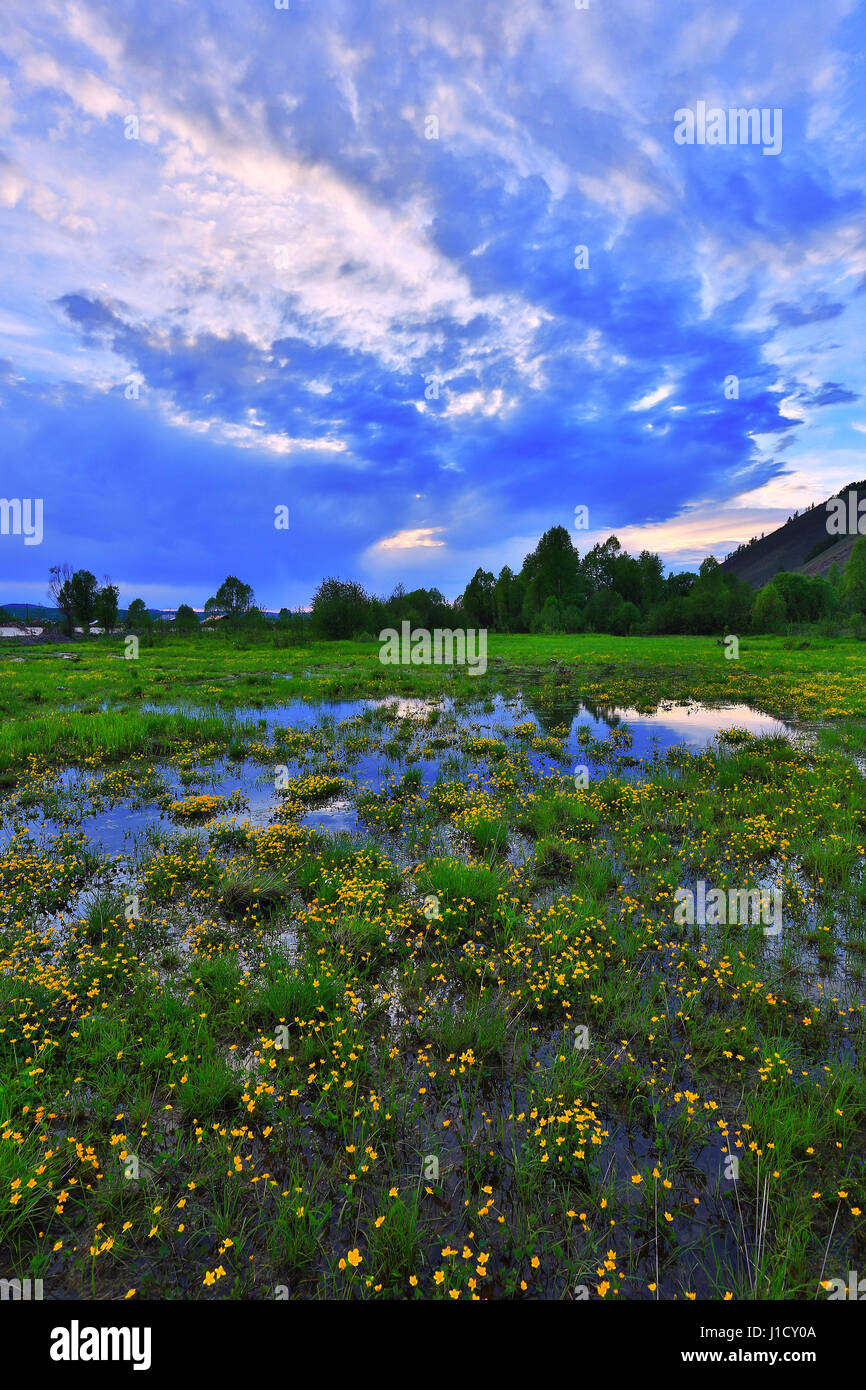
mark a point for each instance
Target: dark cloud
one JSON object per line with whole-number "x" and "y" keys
{"x": 796, "y": 315}
{"x": 543, "y": 146}
{"x": 831, "y": 393}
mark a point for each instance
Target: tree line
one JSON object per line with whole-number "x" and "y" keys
{"x": 606, "y": 591}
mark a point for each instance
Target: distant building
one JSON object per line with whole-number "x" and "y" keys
{"x": 19, "y": 630}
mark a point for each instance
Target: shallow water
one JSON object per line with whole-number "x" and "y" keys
{"x": 636, "y": 737}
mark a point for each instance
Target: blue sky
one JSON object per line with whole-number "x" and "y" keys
{"x": 244, "y": 270}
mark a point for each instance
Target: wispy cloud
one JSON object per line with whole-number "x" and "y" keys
{"x": 257, "y": 261}
{"x": 423, "y": 537}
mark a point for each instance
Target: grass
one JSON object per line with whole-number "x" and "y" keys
{"x": 462, "y": 1050}
{"x": 824, "y": 680}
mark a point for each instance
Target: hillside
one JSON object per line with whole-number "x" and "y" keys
{"x": 42, "y": 613}
{"x": 788, "y": 547}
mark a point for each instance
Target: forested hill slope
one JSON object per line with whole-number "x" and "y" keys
{"x": 803, "y": 543}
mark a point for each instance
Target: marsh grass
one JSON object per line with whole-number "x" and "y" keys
{"x": 299, "y": 1020}
{"x": 245, "y": 888}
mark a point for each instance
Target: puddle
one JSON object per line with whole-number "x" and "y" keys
{"x": 603, "y": 739}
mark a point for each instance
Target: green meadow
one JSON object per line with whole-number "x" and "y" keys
{"x": 323, "y": 978}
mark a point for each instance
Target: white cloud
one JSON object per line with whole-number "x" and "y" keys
{"x": 422, "y": 537}
{"x": 655, "y": 397}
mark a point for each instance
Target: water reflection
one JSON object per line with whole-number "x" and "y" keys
{"x": 368, "y": 742}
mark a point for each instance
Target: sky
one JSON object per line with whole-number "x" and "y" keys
{"x": 325, "y": 258}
